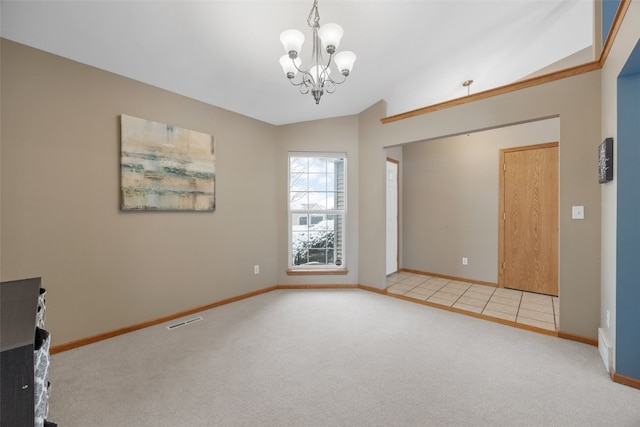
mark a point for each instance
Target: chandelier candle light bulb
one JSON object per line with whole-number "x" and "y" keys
{"x": 330, "y": 34}
{"x": 317, "y": 79}
{"x": 292, "y": 41}
{"x": 290, "y": 67}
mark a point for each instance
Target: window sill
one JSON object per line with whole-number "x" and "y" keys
{"x": 318, "y": 272}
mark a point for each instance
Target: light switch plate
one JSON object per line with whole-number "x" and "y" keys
{"x": 577, "y": 212}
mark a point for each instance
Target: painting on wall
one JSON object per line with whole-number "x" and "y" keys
{"x": 165, "y": 168}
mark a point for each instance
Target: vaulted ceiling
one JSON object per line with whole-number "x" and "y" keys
{"x": 410, "y": 53}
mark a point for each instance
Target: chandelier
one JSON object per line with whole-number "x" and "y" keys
{"x": 317, "y": 78}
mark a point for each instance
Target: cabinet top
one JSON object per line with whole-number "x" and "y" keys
{"x": 18, "y": 307}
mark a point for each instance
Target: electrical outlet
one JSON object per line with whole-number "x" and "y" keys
{"x": 465, "y": 260}
{"x": 256, "y": 269}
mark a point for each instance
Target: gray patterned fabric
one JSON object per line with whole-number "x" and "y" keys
{"x": 46, "y": 409}
{"x": 41, "y": 361}
{"x": 42, "y": 306}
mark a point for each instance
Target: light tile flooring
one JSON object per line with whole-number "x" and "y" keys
{"x": 541, "y": 311}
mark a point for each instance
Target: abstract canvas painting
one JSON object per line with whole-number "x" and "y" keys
{"x": 605, "y": 161}
{"x": 165, "y": 168}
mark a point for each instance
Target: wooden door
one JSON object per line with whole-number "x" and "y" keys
{"x": 528, "y": 242}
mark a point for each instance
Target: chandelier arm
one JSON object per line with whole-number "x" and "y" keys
{"x": 307, "y": 78}
{"x": 329, "y": 86}
{"x": 298, "y": 68}
{"x": 303, "y": 88}
{"x": 296, "y": 84}
{"x": 304, "y": 84}
{"x": 329, "y": 78}
{"x": 344, "y": 78}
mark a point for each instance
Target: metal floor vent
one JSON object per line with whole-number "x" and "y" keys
{"x": 184, "y": 323}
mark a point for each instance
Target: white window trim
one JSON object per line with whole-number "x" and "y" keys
{"x": 341, "y": 269}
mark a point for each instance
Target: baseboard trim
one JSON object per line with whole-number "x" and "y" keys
{"x": 372, "y": 289}
{"x": 444, "y": 276}
{"x": 337, "y": 286}
{"x": 625, "y": 380}
{"x": 363, "y": 287}
{"x": 121, "y": 331}
{"x": 578, "y": 338}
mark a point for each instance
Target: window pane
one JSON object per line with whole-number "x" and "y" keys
{"x": 331, "y": 200}
{"x": 299, "y": 182}
{"x": 300, "y": 258}
{"x": 317, "y": 182}
{"x": 318, "y": 200}
{"x": 319, "y": 238}
{"x": 316, "y": 244}
{"x": 317, "y": 165}
{"x": 298, "y": 164}
{"x": 317, "y": 256}
{"x": 331, "y": 182}
{"x": 335, "y": 165}
{"x": 299, "y": 246}
{"x": 298, "y": 220}
{"x": 330, "y": 256}
{"x": 299, "y": 200}
{"x": 301, "y": 238}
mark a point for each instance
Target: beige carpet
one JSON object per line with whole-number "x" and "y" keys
{"x": 336, "y": 358}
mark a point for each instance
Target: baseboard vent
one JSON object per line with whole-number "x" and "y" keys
{"x": 605, "y": 350}
{"x": 184, "y": 323}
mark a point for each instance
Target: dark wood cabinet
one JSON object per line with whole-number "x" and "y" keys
{"x": 17, "y": 387}
{"x": 18, "y": 307}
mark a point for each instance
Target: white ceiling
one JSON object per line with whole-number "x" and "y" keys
{"x": 225, "y": 53}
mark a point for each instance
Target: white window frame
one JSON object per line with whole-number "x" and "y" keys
{"x": 342, "y": 212}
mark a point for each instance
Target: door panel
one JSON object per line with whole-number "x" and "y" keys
{"x": 529, "y": 231}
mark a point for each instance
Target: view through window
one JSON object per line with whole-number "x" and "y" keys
{"x": 317, "y": 206}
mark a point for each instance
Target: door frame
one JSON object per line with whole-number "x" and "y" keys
{"x": 397, "y": 163}
{"x": 501, "y": 207}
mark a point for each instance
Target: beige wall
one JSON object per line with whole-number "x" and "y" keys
{"x": 625, "y": 41}
{"x": 576, "y": 101}
{"x": 105, "y": 269}
{"x": 332, "y": 135}
{"x": 451, "y": 190}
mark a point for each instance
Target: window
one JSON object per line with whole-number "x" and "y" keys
{"x": 317, "y": 210}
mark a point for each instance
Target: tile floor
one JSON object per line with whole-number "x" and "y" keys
{"x": 527, "y": 308}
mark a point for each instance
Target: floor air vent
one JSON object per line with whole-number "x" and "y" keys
{"x": 184, "y": 323}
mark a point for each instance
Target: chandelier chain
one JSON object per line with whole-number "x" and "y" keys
{"x": 314, "y": 16}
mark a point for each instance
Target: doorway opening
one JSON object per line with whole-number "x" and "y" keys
{"x": 449, "y": 231}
